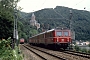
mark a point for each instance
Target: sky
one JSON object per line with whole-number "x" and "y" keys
{"x": 35, "y": 5}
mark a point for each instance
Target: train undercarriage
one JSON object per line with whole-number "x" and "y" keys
{"x": 55, "y": 46}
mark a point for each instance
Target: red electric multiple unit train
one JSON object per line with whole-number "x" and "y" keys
{"x": 54, "y": 38}
{"x": 22, "y": 41}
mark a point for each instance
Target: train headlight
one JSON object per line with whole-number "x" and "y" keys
{"x": 62, "y": 40}
{"x": 68, "y": 40}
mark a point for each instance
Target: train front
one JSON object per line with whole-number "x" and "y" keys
{"x": 62, "y": 38}
{"x": 22, "y": 41}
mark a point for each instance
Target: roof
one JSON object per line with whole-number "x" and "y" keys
{"x": 50, "y": 31}
{"x": 43, "y": 32}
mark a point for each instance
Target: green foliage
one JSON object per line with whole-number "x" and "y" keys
{"x": 89, "y": 51}
{"x": 5, "y": 49}
{"x": 77, "y": 48}
{"x": 84, "y": 50}
{"x": 25, "y": 30}
{"x": 6, "y": 28}
{"x": 5, "y": 44}
{"x": 6, "y": 52}
{"x": 16, "y": 56}
{"x": 33, "y": 32}
{"x": 7, "y": 18}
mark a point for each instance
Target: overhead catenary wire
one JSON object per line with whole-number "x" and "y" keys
{"x": 78, "y": 3}
{"x": 73, "y": 6}
{"x": 59, "y": 13}
{"x": 43, "y": 3}
{"x": 40, "y": 5}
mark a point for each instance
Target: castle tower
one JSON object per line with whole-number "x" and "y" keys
{"x": 33, "y": 21}
{"x": 37, "y": 25}
{"x": 33, "y": 16}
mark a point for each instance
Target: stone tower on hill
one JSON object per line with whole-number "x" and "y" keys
{"x": 33, "y": 22}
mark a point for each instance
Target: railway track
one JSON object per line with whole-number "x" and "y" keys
{"x": 64, "y": 55}
{"x": 43, "y": 55}
{"x": 78, "y": 54}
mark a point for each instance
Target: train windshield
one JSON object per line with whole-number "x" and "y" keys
{"x": 58, "y": 33}
{"x": 66, "y": 33}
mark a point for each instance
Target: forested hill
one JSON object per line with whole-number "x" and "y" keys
{"x": 50, "y": 18}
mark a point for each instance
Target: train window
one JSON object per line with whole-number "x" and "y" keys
{"x": 65, "y": 33}
{"x": 58, "y": 33}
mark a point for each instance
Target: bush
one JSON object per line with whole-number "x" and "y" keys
{"x": 89, "y": 51}
{"x": 6, "y": 52}
{"x": 77, "y": 48}
{"x": 84, "y": 50}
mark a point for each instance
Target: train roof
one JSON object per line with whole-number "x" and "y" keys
{"x": 43, "y": 32}
{"x": 62, "y": 28}
{"x": 50, "y": 31}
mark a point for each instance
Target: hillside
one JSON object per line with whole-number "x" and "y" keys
{"x": 50, "y": 18}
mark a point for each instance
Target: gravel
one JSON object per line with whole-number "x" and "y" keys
{"x": 28, "y": 55}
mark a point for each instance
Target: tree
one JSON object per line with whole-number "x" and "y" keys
{"x": 7, "y": 17}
